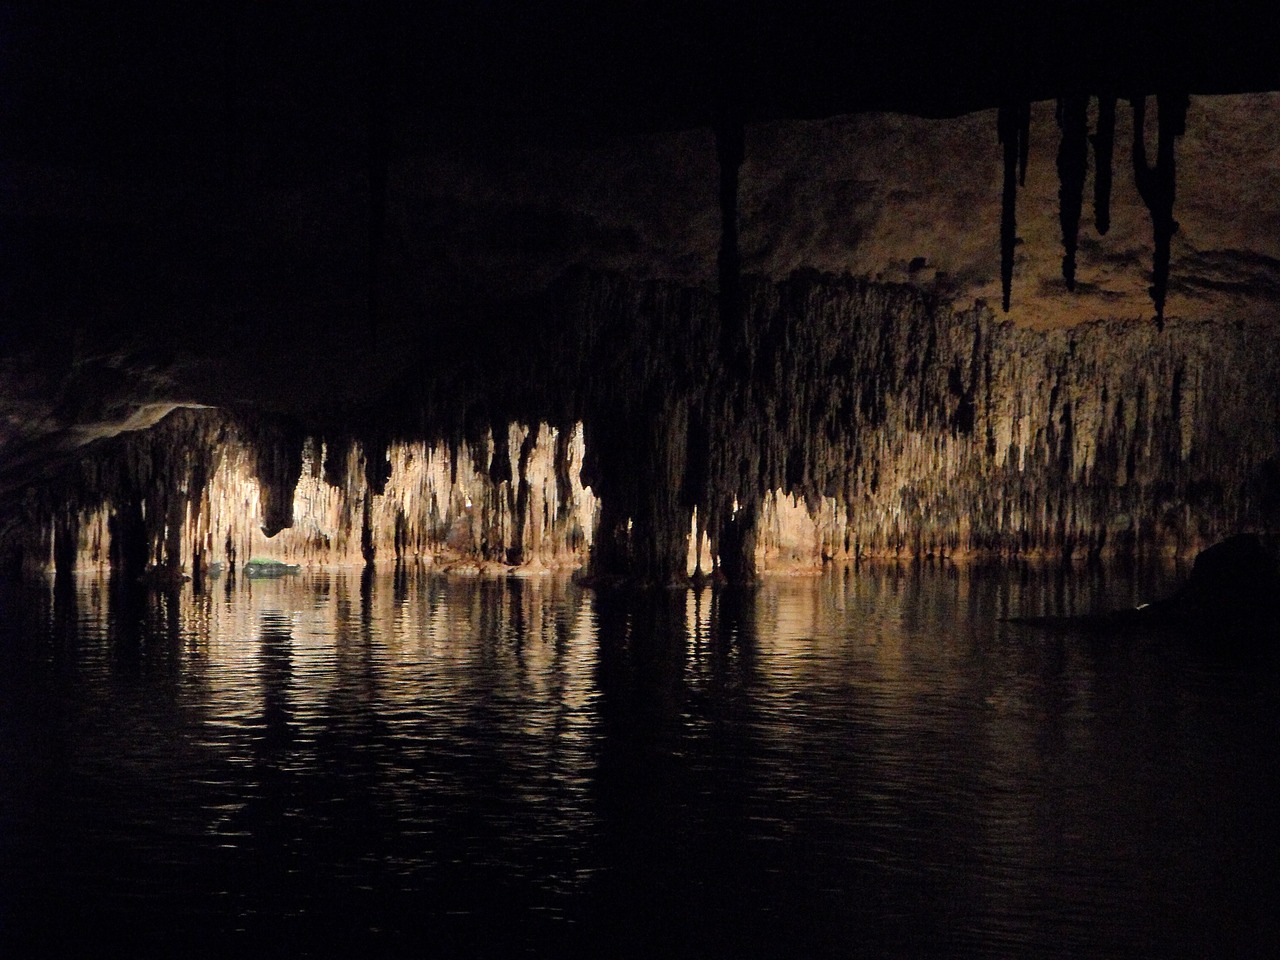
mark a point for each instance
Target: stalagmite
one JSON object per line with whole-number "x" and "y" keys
{"x": 1073, "y": 161}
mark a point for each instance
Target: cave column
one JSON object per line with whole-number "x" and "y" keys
{"x": 130, "y": 547}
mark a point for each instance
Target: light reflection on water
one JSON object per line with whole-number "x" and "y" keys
{"x": 860, "y": 765}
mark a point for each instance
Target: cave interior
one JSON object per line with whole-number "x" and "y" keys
{"x": 673, "y": 290}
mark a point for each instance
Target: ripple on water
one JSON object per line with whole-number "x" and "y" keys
{"x": 871, "y": 759}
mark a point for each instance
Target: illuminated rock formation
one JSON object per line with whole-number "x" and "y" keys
{"x": 190, "y": 495}
{"x": 909, "y": 429}
{"x": 876, "y": 422}
{"x": 804, "y": 364}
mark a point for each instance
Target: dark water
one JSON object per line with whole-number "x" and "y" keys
{"x": 859, "y": 766}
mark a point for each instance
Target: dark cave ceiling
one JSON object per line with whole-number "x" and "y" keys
{"x": 137, "y": 82}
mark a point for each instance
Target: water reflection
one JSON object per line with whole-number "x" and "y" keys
{"x": 871, "y": 763}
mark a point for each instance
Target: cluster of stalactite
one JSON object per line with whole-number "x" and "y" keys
{"x": 205, "y": 492}
{"x": 876, "y": 422}
{"x": 979, "y": 437}
{"x": 872, "y": 421}
{"x": 1156, "y": 185}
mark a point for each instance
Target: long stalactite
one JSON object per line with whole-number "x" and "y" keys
{"x": 1103, "y": 139}
{"x": 1158, "y": 185}
{"x": 1073, "y": 164}
{"x": 1013, "y": 123}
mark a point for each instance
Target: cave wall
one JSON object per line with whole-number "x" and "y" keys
{"x": 131, "y": 293}
{"x": 530, "y": 327}
{"x": 877, "y": 421}
{"x": 874, "y": 421}
{"x": 956, "y": 433}
{"x": 202, "y": 491}
{"x": 885, "y": 197}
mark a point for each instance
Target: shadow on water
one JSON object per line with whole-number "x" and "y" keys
{"x": 639, "y": 781}
{"x": 701, "y": 859}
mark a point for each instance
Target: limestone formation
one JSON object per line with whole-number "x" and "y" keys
{"x": 876, "y": 421}
{"x": 190, "y": 494}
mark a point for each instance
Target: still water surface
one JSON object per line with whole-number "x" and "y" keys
{"x": 869, "y": 764}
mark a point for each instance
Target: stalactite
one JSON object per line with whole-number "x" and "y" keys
{"x": 277, "y": 451}
{"x": 1012, "y": 123}
{"x": 1103, "y": 146}
{"x": 187, "y": 496}
{"x": 1073, "y": 161}
{"x": 881, "y": 424}
{"x": 877, "y": 422}
{"x": 1024, "y": 140}
{"x": 1157, "y": 185}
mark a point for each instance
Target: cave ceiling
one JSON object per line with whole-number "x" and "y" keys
{"x": 293, "y": 204}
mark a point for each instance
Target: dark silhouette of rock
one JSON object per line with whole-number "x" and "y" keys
{"x": 277, "y": 448}
{"x": 1232, "y": 594}
{"x": 1233, "y": 584}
